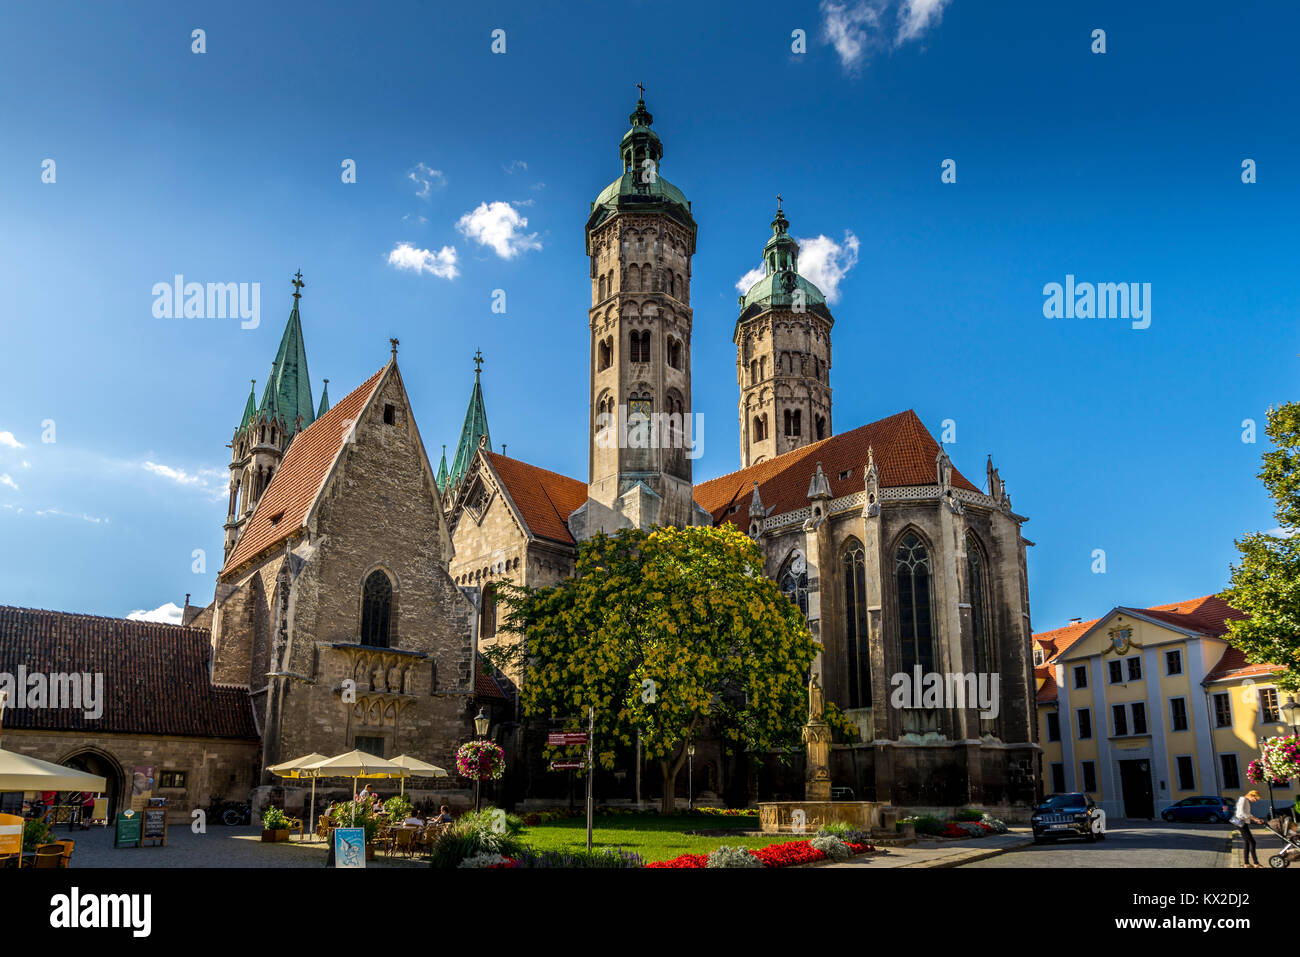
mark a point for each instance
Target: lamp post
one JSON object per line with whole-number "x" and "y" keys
{"x": 481, "y": 722}
{"x": 690, "y": 776}
{"x": 1291, "y": 710}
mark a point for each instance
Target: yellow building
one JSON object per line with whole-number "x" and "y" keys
{"x": 1146, "y": 706}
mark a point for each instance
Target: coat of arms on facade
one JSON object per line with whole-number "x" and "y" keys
{"x": 1121, "y": 640}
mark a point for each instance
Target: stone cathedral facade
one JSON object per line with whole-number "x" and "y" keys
{"x": 903, "y": 566}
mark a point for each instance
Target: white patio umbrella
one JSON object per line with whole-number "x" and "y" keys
{"x": 417, "y": 769}
{"x": 294, "y": 769}
{"x": 355, "y": 765}
{"x": 22, "y": 772}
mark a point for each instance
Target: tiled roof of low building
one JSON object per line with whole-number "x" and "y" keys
{"x": 485, "y": 686}
{"x": 284, "y": 506}
{"x": 903, "y": 449}
{"x": 155, "y": 675}
{"x": 545, "y": 499}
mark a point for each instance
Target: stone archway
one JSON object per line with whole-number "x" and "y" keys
{"x": 97, "y": 761}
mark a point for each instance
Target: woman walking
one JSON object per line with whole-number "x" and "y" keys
{"x": 1243, "y": 818}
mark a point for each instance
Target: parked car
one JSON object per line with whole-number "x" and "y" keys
{"x": 1202, "y": 807}
{"x": 1074, "y": 814}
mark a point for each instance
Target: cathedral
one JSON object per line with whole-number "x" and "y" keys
{"x": 359, "y": 584}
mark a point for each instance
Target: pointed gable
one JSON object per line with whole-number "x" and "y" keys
{"x": 285, "y": 505}
{"x": 904, "y": 451}
{"x": 543, "y": 499}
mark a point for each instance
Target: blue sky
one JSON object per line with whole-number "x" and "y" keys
{"x": 225, "y": 167}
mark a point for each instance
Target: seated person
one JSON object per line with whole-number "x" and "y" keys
{"x": 444, "y": 817}
{"x": 413, "y": 821}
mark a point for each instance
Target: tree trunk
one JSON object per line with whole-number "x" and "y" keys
{"x": 668, "y": 803}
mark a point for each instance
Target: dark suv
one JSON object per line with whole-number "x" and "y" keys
{"x": 1068, "y": 815}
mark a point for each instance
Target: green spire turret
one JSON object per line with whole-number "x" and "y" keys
{"x": 288, "y": 393}
{"x": 324, "y": 399}
{"x": 475, "y": 429}
{"x": 250, "y": 407}
{"x": 442, "y": 471}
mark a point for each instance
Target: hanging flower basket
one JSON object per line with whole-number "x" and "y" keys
{"x": 480, "y": 761}
{"x": 1280, "y": 758}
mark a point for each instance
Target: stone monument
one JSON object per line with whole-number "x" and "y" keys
{"x": 817, "y": 736}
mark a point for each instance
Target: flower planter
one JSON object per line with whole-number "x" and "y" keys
{"x": 275, "y": 836}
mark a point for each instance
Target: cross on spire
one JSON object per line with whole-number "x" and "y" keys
{"x": 393, "y": 343}
{"x": 297, "y": 285}
{"x": 778, "y": 202}
{"x": 478, "y": 361}
{"x": 641, "y": 87}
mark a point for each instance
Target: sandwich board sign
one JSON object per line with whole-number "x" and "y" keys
{"x": 129, "y": 831}
{"x": 11, "y": 834}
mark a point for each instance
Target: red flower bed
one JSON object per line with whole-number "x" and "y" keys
{"x": 788, "y": 854}
{"x": 686, "y": 860}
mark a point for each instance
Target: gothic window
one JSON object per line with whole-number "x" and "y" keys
{"x": 792, "y": 428}
{"x": 912, "y": 579}
{"x": 376, "y": 609}
{"x": 793, "y": 580}
{"x": 759, "y": 433}
{"x": 981, "y": 636}
{"x": 675, "y": 353}
{"x": 797, "y": 428}
{"x": 854, "y": 569}
{"x": 753, "y": 371}
{"x": 821, "y": 427}
{"x": 600, "y": 295}
{"x": 640, "y": 346}
{"x": 787, "y": 422}
{"x": 605, "y": 353}
{"x": 487, "y": 622}
{"x": 672, "y": 285}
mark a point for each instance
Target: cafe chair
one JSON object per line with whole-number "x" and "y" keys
{"x": 48, "y": 855}
{"x": 67, "y": 846}
{"x": 404, "y": 840}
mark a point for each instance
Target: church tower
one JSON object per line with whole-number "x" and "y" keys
{"x": 640, "y": 240}
{"x": 783, "y": 355}
{"x": 266, "y": 429}
{"x": 473, "y": 434}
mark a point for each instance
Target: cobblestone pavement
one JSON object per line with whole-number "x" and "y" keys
{"x": 932, "y": 853}
{"x": 219, "y": 847}
{"x": 1131, "y": 844}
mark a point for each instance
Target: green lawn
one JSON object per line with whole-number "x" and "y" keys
{"x": 654, "y": 837}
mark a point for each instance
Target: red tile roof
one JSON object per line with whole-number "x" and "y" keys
{"x": 1233, "y": 664}
{"x": 544, "y": 499}
{"x": 485, "y": 686}
{"x": 284, "y": 506}
{"x": 155, "y": 675}
{"x": 1046, "y": 693}
{"x": 904, "y": 451}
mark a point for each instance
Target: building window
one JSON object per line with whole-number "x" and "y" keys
{"x": 1083, "y": 718}
{"x": 675, "y": 353}
{"x": 1222, "y": 710}
{"x": 912, "y": 580}
{"x": 171, "y": 779}
{"x": 390, "y": 414}
{"x": 487, "y": 622}
{"x": 1116, "y": 671}
{"x": 1058, "y": 778}
{"x": 1173, "y": 662}
{"x": 1134, "y": 668}
{"x": 760, "y": 428}
{"x": 1139, "y": 710}
{"x": 1081, "y": 676}
{"x": 1089, "y": 776}
{"x": 1178, "y": 714}
{"x": 855, "y": 619}
{"x": 1053, "y": 726}
{"x": 376, "y": 609}
{"x": 640, "y": 346}
{"x": 370, "y": 745}
{"x": 1120, "y": 718}
{"x": 1186, "y": 773}
{"x": 1038, "y": 656}
{"x": 605, "y": 354}
{"x": 1231, "y": 776}
{"x": 793, "y": 581}
{"x": 980, "y": 636}
{"x": 1268, "y": 711}
{"x": 821, "y": 427}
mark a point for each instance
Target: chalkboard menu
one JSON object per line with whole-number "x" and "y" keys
{"x": 155, "y": 821}
{"x": 128, "y": 830}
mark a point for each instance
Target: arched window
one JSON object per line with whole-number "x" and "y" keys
{"x": 793, "y": 580}
{"x": 376, "y": 609}
{"x": 912, "y": 577}
{"x": 601, "y": 284}
{"x": 606, "y": 353}
{"x": 821, "y": 427}
{"x": 487, "y": 622}
{"x": 981, "y": 636}
{"x": 854, "y": 569}
{"x": 758, "y": 430}
{"x": 753, "y": 370}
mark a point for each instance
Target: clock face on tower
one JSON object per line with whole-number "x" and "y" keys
{"x": 638, "y": 408}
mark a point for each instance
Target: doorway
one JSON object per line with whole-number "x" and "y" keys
{"x": 1135, "y": 787}
{"x": 97, "y": 762}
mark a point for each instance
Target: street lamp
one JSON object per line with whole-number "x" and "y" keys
{"x": 1291, "y": 710}
{"x": 690, "y": 776}
{"x": 481, "y": 722}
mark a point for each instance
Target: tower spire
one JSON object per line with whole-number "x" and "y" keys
{"x": 288, "y": 391}
{"x": 475, "y": 430}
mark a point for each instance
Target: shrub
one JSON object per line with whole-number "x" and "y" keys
{"x": 35, "y": 833}
{"x": 968, "y": 814}
{"x": 601, "y": 857}
{"x": 998, "y": 827}
{"x": 838, "y": 828}
{"x": 471, "y": 835}
{"x": 726, "y": 856}
{"x": 273, "y": 819}
{"x": 927, "y": 824}
{"x": 483, "y": 860}
{"x": 831, "y": 846}
{"x": 398, "y": 808}
{"x": 846, "y": 833}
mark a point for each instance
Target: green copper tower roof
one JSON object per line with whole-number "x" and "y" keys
{"x": 288, "y": 393}
{"x": 641, "y": 188}
{"x": 781, "y": 286}
{"x": 324, "y": 399}
{"x": 474, "y": 429}
{"x": 250, "y": 407}
{"x": 442, "y": 471}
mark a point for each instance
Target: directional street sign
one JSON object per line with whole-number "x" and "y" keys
{"x": 562, "y": 738}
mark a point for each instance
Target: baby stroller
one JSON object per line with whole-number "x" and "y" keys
{"x": 1285, "y": 828}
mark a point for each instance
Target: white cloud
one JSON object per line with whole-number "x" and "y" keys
{"x": 746, "y": 282}
{"x": 179, "y": 476}
{"x": 499, "y": 226}
{"x": 858, "y": 30}
{"x": 516, "y": 167}
{"x": 441, "y": 264}
{"x": 26, "y": 464}
{"x": 1281, "y": 532}
{"x": 169, "y": 613}
{"x": 7, "y": 438}
{"x": 426, "y": 180}
{"x": 59, "y": 513}
{"x": 917, "y": 16}
{"x": 6, "y": 480}
{"x": 824, "y": 262}
{"x": 209, "y": 480}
